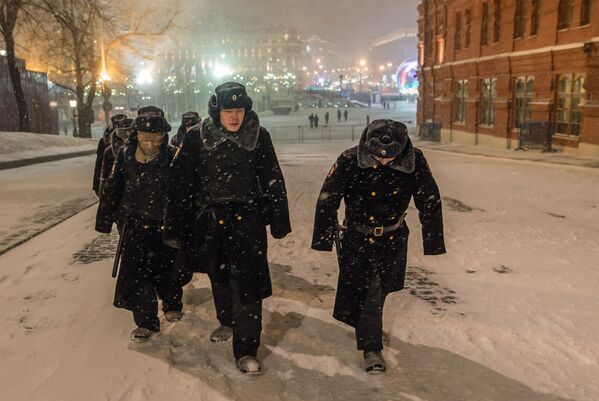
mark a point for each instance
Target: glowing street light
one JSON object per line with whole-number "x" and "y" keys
{"x": 104, "y": 76}
{"x": 73, "y": 104}
{"x": 144, "y": 77}
{"x": 220, "y": 71}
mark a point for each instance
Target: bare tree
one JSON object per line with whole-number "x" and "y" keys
{"x": 124, "y": 28}
{"x": 9, "y": 15}
{"x": 73, "y": 47}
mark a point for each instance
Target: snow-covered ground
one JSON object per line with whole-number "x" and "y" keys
{"x": 508, "y": 314}
{"x": 35, "y": 197}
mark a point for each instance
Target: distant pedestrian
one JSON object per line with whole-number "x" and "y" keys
{"x": 311, "y": 118}
{"x": 367, "y": 119}
{"x": 316, "y": 118}
{"x": 326, "y": 118}
{"x": 338, "y": 115}
{"x": 345, "y": 113}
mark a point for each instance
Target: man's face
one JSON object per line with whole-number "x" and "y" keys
{"x": 231, "y": 119}
{"x": 150, "y": 142}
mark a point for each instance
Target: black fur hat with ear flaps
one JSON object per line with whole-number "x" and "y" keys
{"x": 151, "y": 119}
{"x": 230, "y": 95}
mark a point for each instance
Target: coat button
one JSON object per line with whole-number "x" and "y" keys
{"x": 371, "y": 240}
{"x": 238, "y": 218}
{"x": 373, "y": 194}
{"x": 391, "y": 237}
{"x": 394, "y": 192}
{"x": 371, "y": 218}
{"x": 221, "y": 222}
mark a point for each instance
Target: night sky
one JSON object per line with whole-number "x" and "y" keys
{"x": 351, "y": 24}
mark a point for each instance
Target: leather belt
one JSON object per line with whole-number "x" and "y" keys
{"x": 376, "y": 231}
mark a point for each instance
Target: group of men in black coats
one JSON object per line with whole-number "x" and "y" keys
{"x": 203, "y": 202}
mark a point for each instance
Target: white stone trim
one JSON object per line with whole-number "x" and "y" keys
{"x": 520, "y": 53}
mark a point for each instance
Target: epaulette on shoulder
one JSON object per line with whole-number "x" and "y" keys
{"x": 350, "y": 153}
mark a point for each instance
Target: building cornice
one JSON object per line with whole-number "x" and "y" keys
{"x": 519, "y": 53}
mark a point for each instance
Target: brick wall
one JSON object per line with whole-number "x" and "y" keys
{"x": 450, "y": 53}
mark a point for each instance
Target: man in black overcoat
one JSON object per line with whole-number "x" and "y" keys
{"x": 188, "y": 120}
{"x": 118, "y": 137}
{"x": 376, "y": 180}
{"x": 237, "y": 190}
{"x": 103, "y": 143}
{"x": 134, "y": 197}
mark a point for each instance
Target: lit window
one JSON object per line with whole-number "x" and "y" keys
{"x": 459, "y": 101}
{"x": 487, "y": 99}
{"x": 570, "y": 95}
{"x": 523, "y": 93}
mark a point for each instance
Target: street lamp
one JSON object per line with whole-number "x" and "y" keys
{"x": 106, "y": 93}
{"x": 73, "y": 104}
{"x": 360, "y": 69}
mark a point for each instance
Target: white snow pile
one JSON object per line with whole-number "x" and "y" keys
{"x": 508, "y": 314}
{"x": 23, "y": 145}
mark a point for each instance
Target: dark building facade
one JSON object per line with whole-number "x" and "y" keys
{"x": 490, "y": 70}
{"x": 43, "y": 118}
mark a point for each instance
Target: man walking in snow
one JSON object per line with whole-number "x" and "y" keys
{"x": 237, "y": 190}
{"x": 376, "y": 180}
{"x": 103, "y": 143}
{"x": 134, "y": 196}
{"x": 188, "y": 120}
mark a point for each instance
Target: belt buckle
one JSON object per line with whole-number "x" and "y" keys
{"x": 378, "y": 231}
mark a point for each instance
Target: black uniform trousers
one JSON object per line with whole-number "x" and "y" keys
{"x": 369, "y": 328}
{"x": 244, "y": 317}
{"x": 147, "y": 272}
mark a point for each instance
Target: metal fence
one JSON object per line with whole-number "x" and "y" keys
{"x": 535, "y": 135}
{"x": 35, "y": 87}
{"x": 303, "y": 133}
{"x": 430, "y": 131}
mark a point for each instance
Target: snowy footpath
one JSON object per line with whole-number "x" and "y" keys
{"x": 510, "y": 313}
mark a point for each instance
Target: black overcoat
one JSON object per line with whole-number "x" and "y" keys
{"x": 134, "y": 197}
{"x": 374, "y": 196}
{"x": 230, "y": 187}
{"x": 103, "y": 143}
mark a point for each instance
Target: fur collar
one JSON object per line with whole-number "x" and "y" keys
{"x": 405, "y": 162}
{"x": 246, "y": 137}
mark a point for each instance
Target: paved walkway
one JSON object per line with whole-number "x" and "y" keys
{"x": 525, "y": 155}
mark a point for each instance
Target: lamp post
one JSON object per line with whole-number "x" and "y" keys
{"x": 73, "y": 104}
{"x": 360, "y": 69}
{"x": 106, "y": 93}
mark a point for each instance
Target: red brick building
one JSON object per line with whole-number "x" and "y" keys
{"x": 489, "y": 68}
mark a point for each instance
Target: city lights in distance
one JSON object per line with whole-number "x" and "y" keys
{"x": 220, "y": 71}
{"x": 144, "y": 77}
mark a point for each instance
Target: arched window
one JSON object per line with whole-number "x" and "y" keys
{"x": 459, "y": 101}
{"x": 585, "y": 12}
{"x": 570, "y": 95}
{"x": 564, "y": 14}
{"x": 520, "y": 19}
{"x": 535, "y": 17}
